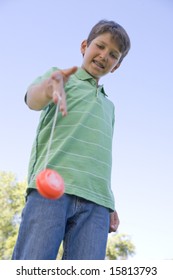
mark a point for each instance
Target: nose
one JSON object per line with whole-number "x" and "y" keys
{"x": 104, "y": 55}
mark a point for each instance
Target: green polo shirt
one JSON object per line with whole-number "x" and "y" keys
{"x": 81, "y": 150}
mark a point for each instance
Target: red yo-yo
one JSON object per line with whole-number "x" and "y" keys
{"x": 50, "y": 184}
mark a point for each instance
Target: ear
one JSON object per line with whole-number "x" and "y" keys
{"x": 115, "y": 68}
{"x": 83, "y": 47}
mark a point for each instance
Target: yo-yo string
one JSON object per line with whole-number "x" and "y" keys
{"x": 52, "y": 131}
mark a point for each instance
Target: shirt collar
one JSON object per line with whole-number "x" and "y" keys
{"x": 81, "y": 74}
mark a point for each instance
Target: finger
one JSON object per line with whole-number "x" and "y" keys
{"x": 63, "y": 105}
{"x": 114, "y": 221}
{"x": 56, "y": 97}
{"x": 114, "y": 226}
{"x": 57, "y": 77}
{"x": 67, "y": 72}
{"x": 112, "y": 229}
{"x": 63, "y": 74}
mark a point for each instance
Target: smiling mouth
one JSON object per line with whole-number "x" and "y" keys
{"x": 98, "y": 64}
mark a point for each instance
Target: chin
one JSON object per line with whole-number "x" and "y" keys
{"x": 93, "y": 74}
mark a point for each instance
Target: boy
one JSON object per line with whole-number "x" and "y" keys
{"x": 80, "y": 151}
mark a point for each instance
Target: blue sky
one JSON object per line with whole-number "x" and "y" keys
{"x": 36, "y": 35}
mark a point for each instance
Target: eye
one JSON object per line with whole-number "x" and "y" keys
{"x": 113, "y": 55}
{"x": 100, "y": 46}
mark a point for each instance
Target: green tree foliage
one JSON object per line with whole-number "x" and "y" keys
{"x": 12, "y": 199}
{"x": 11, "y": 204}
{"x": 119, "y": 247}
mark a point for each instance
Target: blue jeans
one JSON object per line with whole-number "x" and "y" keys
{"x": 82, "y": 225}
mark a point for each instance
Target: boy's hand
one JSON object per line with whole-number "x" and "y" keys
{"x": 58, "y": 79}
{"x": 114, "y": 222}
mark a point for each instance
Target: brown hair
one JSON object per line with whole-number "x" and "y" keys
{"x": 118, "y": 34}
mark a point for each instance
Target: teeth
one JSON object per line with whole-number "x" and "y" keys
{"x": 98, "y": 64}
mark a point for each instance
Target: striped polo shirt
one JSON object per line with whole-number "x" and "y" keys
{"x": 81, "y": 150}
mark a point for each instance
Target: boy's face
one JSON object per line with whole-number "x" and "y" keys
{"x": 101, "y": 56}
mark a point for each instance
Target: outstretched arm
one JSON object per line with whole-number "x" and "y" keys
{"x": 38, "y": 96}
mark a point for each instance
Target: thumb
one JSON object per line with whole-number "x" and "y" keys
{"x": 67, "y": 72}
